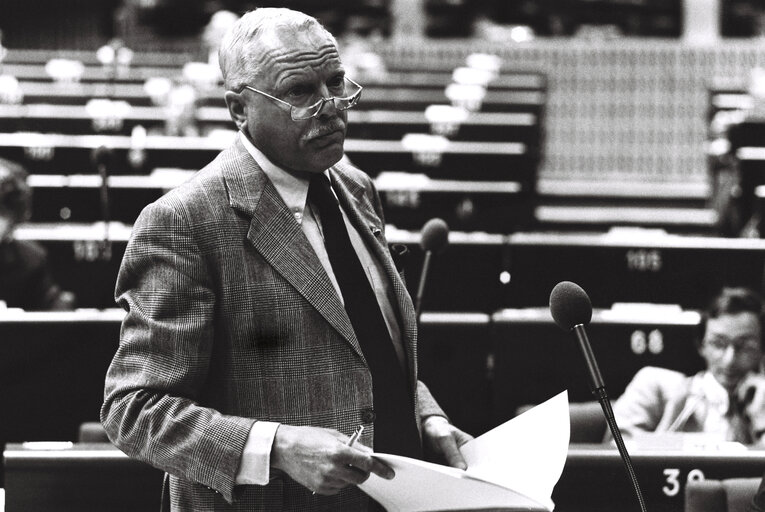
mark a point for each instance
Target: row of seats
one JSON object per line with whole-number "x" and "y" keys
{"x": 505, "y": 359}
{"x": 737, "y": 155}
{"x": 516, "y": 158}
{"x": 480, "y": 271}
{"x": 403, "y": 125}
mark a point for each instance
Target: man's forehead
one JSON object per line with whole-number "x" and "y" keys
{"x": 289, "y": 39}
{"x": 286, "y": 48}
{"x": 744, "y": 320}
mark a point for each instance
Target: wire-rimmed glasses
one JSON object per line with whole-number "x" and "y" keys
{"x": 302, "y": 113}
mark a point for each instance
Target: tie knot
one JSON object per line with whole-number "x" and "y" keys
{"x": 320, "y": 192}
{"x": 319, "y": 181}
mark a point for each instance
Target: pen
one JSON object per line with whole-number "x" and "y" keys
{"x": 355, "y": 435}
{"x": 351, "y": 442}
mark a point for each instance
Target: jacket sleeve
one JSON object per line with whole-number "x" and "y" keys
{"x": 640, "y": 407}
{"x": 752, "y": 394}
{"x": 426, "y": 404}
{"x": 155, "y": 380}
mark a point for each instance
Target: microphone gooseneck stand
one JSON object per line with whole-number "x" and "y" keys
{"x": 598, "y": 388}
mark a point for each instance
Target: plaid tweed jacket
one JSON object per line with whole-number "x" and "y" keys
{"x": 230, "y": 319}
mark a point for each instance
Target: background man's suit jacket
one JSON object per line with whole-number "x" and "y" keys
{"x": 231, "y": 318}
{"x": 657, "y": 397}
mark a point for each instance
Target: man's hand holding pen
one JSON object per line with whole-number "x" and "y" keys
{"x": 324, "y": 460}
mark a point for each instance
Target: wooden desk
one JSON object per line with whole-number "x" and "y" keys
{"x": 88, "y": 477}
{"x": 632, "y": 266}
{"x": 506, "y": 161}
{"x": 534, "y": 359}
{"x": 524, "y": 127}
{"x": 594, "y": 478}
{"x": 374, "y": 97}
{"x": 77, "y": 478}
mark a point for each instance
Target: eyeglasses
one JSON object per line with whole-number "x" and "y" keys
{"x": 748, "y": 345}
{"x": 300, "y": 113}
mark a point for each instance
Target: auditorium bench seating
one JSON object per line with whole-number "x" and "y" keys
{"x": 479, "y": 271}
{"x": 533, "y": 359}
{"x": 588, "y": 424}
{"x": 388, "y": 124}
{"x": 629, "y": 265}
{"x": 374, "y": 97}
{"x": 595, "y": 206}
{"x": 85, "y": 259}
{"x": 410, "y": 199}
{"x": 736, "y": 154}
{"x": 92, "y": 432}
{"x": 52, "y": 153}
{"x": 499, "y": 143}
{"x": 78, "y": 477}
{"x": 502, "y": 361}
{"x": 727, "y": 495}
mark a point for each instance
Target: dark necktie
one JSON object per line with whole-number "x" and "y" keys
{"x": 740, "y": 428}
{"x": 394, "y": 424}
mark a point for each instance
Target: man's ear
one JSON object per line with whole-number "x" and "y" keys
{"x": 236, "y": 109}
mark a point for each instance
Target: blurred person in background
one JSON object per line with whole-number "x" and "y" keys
{"x": 25, "y": 279}
{"x": 727, "y": 399}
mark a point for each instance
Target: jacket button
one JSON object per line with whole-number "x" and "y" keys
{"x": 368, "y": 416}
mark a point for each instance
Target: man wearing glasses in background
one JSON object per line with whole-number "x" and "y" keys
{"x": 266, "y": 320}
{"x": 727, "y": 400}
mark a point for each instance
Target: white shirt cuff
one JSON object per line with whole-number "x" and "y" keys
{"x": 255, "y": 465}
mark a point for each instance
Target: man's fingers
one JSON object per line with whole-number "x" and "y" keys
{"x": 382, "y": 470}
{"x": 363, "y": 461}
{"x": 449, "y": 449}
{"x": 462, "y": 437}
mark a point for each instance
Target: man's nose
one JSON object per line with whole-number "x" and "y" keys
{"x": 327, "y": 108}
{"x": 729, "y": 355}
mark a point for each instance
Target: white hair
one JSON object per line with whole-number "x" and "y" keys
{"x": 238, "y": 44}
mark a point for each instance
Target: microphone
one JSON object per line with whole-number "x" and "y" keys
{"x": 102, "y": 156}
{"x": 571, "y": 309}
{"x": 435, "y": 238}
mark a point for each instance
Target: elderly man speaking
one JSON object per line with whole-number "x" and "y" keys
{"x": 266, "y": 320}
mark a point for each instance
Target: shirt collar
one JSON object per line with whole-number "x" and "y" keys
{"x": 293, "y": 189}
{"x": 716, "y": 395}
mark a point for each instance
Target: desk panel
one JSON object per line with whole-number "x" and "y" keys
{"x": 88, "y": 477}
{"x": 465, "y": 277}
{"x": 84, "y": 477}
{"x": 522, "y": 127}
{"x": 73, "y": 154}
{"x": 665, "y": 269}
{"x": 455, "y": 363}
{"x": 595, "y": 480}
{"x": 52, "y": 369}
{"x": 534, "y": 359}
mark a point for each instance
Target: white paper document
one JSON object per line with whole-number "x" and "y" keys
{"x": 514, "y": 466}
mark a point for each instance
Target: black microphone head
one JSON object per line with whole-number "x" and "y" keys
{"x": 101, "y": 155}
{"x": 569, "y": 305}
{"x": 435, "y": 236}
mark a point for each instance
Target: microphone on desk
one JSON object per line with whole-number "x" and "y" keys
{"x": 102, "y": 157}
{"x": 435, "y": 238}
{"x": 571, "y": 309}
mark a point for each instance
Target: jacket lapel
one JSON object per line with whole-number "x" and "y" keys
{"x": 277, "y": 236}
{"x": 351, "y": 195}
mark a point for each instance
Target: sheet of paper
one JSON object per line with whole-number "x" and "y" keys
{"x": 421, "y": 486}
{"x": 527, "y": 453}
{"x": 512, "y": 467}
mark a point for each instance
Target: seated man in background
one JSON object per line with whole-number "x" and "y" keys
{"x": 25, "y": 279}
{"x": 725, "y": 401}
